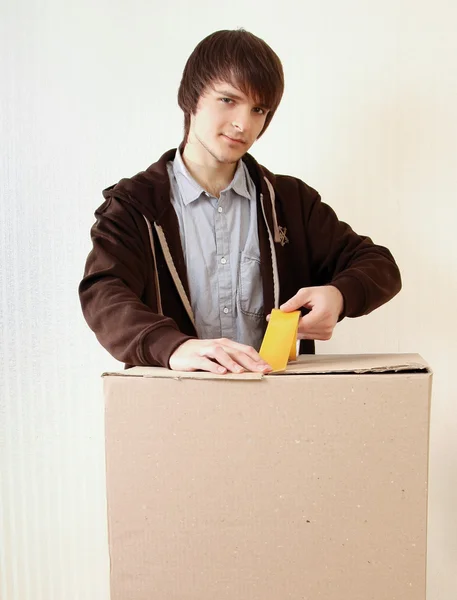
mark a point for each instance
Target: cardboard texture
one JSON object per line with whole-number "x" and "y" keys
{"x": 302, "y": 485}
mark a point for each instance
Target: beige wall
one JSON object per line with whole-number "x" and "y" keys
{"x": 88, "y": 96}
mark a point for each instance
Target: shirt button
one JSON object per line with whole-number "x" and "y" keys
{"x": 223, "y": 261}
{"x": 226, "y": 310}
{"x": 219, "y": 210}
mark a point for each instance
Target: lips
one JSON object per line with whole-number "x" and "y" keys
{"x": 235, "y": 140}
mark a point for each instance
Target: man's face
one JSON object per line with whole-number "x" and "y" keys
{"x": 226, "y": 123}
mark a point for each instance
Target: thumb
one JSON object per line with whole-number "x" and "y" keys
{"x": 300, "y": 299}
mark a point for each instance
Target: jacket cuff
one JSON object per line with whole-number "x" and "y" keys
{"x": 354, "y": 296}
{"x": 159, "y": 345}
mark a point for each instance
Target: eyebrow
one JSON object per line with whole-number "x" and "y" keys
{"x": 236, "y": 97}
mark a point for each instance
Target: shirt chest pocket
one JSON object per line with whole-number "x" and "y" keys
{"x": 250, "y": 292}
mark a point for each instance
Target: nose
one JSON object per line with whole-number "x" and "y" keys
{"x": 241, "y": 121}
{"x": 237, "y": 125}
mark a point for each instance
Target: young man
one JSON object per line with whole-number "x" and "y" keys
{"x": 190, "y": 256}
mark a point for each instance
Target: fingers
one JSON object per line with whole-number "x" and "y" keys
{"x": 301, "y": 299}
{"x": 237, "y": 358}
{"x": 224, "y": 359}
{"x": 315, "y": 326}
{"x": 295, "y": 303}
{"x": 325, "y": 304}
{"x": 237, "y": 347}
{"x": 205, "y": 364}
{"x": 321, "y": 335}
{"x": 217, "y": 356}
{"x": 244, "y": 355}
{"x": 250, "y": 364}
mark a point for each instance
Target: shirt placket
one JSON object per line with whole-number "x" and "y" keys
{"x": 224, "y": 271}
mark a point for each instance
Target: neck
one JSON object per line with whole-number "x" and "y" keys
{"x": 213, "y": 175}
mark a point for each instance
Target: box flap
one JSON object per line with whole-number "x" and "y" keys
{"x": 307, "y": 364}
{"x": 160, "y": 372}
{"x": 357, "y": 363}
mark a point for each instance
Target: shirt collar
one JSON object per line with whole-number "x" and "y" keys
{"x": 191, "y": 190}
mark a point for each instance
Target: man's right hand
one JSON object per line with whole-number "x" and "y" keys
{"x": 217, "y": 356}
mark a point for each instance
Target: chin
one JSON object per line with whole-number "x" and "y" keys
{"x": 225, "y": 155}
{"x": 237, "y": 150}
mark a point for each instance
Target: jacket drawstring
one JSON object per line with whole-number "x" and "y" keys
{"x": 171, "y": 267}
{"x": 272, "y": 245}
{"x": 277, "y": 237}
{"x": 156, "y": 271}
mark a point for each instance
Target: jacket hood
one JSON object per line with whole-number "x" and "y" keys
{"x": 149, "y": 190}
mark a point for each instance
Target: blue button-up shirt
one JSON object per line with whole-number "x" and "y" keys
{"x": 221, "y": 248}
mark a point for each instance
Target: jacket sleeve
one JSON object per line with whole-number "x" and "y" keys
{"x": 114, "y": 281}
{"x": 366, "y": 274}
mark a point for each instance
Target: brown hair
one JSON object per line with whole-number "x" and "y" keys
{"x": 238, "y": 57}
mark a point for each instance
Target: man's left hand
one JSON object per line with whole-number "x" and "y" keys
{"x": 325, "y": 304}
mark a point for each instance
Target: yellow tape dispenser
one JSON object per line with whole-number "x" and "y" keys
{"x": 279, "y": 344}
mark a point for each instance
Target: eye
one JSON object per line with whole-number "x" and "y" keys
{"x": 258, "y": 110}
{"x": 226, "y": 100}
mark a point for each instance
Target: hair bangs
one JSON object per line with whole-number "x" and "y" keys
{"x": 239, "y": 58}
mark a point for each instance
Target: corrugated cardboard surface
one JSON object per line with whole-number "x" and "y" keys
{"x": 297, "y": 486}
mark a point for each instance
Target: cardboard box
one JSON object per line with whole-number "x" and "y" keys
{"x": 305, "y": 485}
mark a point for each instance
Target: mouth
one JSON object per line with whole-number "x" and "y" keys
{"x": 233, "y": 140}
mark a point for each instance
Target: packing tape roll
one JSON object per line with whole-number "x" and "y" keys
{"x": 279, "y": 344}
